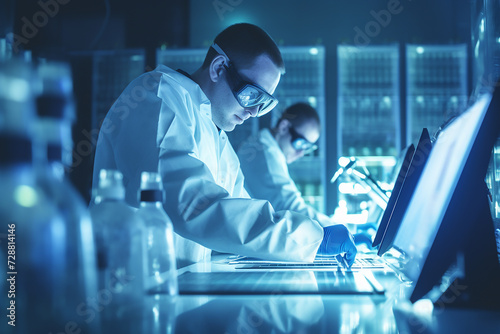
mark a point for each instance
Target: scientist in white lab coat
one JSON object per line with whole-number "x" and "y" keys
{"x": 175, "y": 123}
{"x": 265, "y": 157}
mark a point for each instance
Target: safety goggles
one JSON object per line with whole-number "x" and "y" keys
{"x": 248, "y": 95}
{"x": 299, "y": 143}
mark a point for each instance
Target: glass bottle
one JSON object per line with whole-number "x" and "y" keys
{"x": 160, "y": 262}
{"x": 35, "y": 248}
{"x": 52, "y": 133}
{"x": 119, "y": 242}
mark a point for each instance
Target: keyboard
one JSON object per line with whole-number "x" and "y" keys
{"x": 319, "y": 263}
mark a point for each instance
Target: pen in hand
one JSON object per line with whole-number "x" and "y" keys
{"x": 342, "y": 262}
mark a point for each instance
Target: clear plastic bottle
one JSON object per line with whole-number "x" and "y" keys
{"x": 35, "y": 249}
{"x": 160, "y": 262}
{"x": 119, "y": 240}
{"x": 52, "y": 133}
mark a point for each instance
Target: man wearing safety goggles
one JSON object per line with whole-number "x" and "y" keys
{"x": 248, "y": 95}
{"x": 265, "y": 158}
{"x": 175, "y": 123}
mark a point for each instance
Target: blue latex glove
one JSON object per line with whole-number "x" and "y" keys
{"x": 337, "y": 240}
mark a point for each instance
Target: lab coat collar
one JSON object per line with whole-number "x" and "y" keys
{"x": 189, "y": 84}
{"x": 185, "y": 73}
{"x": 195, "y": 91}
{"x": 268, "y": 138}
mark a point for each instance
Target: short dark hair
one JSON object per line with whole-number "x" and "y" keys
{"x": 299, "y": 113}
{"x": 243, "y": 43}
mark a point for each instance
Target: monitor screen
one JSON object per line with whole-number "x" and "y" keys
{"x": 418, "y": 161}
{"x": 403, "y": 168}
{"x": 437, "y": 188}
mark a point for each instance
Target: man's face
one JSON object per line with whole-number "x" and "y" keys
{"x": 226, "y": 111}
{"x": 309, "y": 130}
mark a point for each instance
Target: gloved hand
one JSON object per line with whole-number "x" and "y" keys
{"x": 338, "y": 240}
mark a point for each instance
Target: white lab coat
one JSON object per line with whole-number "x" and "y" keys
{"x": 162, "y": 122}
{"x": 266, "y": 176}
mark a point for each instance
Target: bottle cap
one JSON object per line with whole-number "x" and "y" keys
{"x": 111, "y": 184}
{"x": 56, "y": 91}
{"x": 151, "y": 180}
{"x": 17, "y": 109}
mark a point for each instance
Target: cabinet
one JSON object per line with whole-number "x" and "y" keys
{"x": 436, "y": 77}
{"x": 102, "y": 76}
{"x": 368, "y": 123}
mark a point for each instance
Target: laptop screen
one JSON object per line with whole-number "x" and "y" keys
{"x": 436, "y": 187}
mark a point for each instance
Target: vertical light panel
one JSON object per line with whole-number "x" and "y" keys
{"x": 368, "y": 122}
{"x": 368, "y": 100}
{"x": 436, "y": 77}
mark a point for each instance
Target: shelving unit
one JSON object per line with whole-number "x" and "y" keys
{"x": 368, "y": 100}
{"x": 102, "y": 76}
{"x": 113, "y": 71}
{"x": 368, "y": 118}
{"x": 436, "y": 86}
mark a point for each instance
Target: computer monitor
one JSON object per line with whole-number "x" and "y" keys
{"x": 403, "y": 169}
{"x": 448, "y": 216}
{"x": 415, "y": 169}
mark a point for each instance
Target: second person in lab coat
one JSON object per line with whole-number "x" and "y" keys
{"x": 264, "y": 160}
{"x": 175, "y": 123}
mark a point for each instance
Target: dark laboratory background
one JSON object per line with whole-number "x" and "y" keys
{"x": 377, "y": 71}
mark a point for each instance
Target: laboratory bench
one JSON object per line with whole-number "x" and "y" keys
{"x": 276, "y": 311}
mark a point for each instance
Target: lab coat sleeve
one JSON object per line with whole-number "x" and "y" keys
{"x": 239, "y": 187}
{"x": 206, "y": 213}
{"x": 267, "y": 177}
